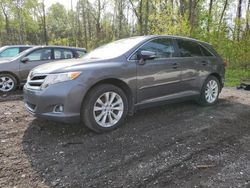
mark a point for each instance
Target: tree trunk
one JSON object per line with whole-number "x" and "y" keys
{"x": 7, "y": 26}
{"x": 238, "y": 19}
{"x": 146, "y": 18}
{"x": 44, "y": 24}
{"x": 209, "y": 15}
{"x": 138, "y": 15}
{"x": 98, "y": 19}
{"x": 192, "y": 12}
{"x": 247, "y": 18}
{"x": 223, "y": 12}
{"x": 85, "y": 23}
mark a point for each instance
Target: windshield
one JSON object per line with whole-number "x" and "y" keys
{"x": 22, "y": 53}
{"x": 3, "y": 48}
{"x": 114, "y": 49}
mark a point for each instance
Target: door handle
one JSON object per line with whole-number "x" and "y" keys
{"x": 175, "y": 65}
{"x": 204, "y": 62}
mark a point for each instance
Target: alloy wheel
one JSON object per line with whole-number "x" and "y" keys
{"x": 6, "y": 83}
{"x": 108, "y": 109}
{"x": 211, "y": 92}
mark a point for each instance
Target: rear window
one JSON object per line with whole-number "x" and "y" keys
{"x": 63, "y": 54}
{"x": 206, "y": 52}
{"x": 10, "y": 52}
{"x": 189, "y": 48}
{"x": 80, "y": 53}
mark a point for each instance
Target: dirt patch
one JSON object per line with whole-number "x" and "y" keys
{"x": 177, "y": 145}
{"x": 11, "y": 96}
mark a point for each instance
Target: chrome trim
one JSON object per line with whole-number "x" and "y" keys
{"x": 29, "y": 108}
{"x": 174, "y": 38}
{"x": 39, "y": 81}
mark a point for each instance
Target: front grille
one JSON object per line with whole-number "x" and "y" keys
{"x": 30, "y": 107}
{"x": 35, "y": 81}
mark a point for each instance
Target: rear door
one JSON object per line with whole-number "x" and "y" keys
{"x": 158, "y": 77}
{"x": 191, "y": 59}
{"x": 63, "y": 53}
{"x": 35, "y": 58}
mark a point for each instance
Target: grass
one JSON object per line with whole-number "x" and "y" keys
{"x": 234, "y": 76}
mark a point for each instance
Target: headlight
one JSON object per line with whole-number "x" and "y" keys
{"x": 57, "y": 78}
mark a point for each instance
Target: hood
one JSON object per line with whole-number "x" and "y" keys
{"x": 4, "y": 60}
{"x": 62, "y": 66}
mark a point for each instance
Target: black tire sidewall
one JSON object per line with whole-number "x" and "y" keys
{"x": 88, "y": 105}
{"x": 203, "y": 100}
{"x": 13, "y": 78}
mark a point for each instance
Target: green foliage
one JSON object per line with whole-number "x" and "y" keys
{"x": 96, "y": 22}
{"x": 234, "y": 76}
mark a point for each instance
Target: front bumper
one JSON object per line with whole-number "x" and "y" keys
{"x": 42, "y": 103}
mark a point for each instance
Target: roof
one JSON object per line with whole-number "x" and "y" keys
{"x": 54, "y": 46}
{"x": 173, "y": 36}
{"x": 7, "y": 46}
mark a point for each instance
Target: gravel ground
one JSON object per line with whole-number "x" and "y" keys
{"x": 177, "y": 145}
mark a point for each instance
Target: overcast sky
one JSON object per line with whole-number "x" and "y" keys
{"x": 66, "y": 3}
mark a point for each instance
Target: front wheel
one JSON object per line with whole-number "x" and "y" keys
{"x": 104, "y": 108}
{"x": 7, "y": 83}
{"x": 210, "y": 91}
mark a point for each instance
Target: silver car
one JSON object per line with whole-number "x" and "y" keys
{"x": 14, "y": 72}
{"x": 123, "y": 76}
{"x": 8, "y": 52}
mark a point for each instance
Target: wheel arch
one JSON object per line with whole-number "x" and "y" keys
{"x": 12, "y": 74}
{"x": 218, "y": 76}
{"x": 118, "y": 83}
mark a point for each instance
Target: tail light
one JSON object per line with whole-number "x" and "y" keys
{"x": 225, "y": 63}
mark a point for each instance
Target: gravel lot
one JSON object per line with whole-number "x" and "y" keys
{"x": 177, "y": 145}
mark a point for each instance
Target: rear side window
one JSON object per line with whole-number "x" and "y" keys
{"x": 189, "y": 48}
{"x": 40, "y": 55}
{"x": 163, "y": 48}
{"x": 79, "y": 53}
{"x": 23, "y": 49}
{"x": 10, "y": 52}
{"x": 206, "y": 52}
{"x": 63, "y": 54}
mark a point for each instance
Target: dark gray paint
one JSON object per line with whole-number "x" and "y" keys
{"x": 21, "y": 70}
{"x": 155, "y": 81}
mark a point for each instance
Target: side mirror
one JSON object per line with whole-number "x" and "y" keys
{"x": 25, "y": 60}
{"x": 147, "y": 55}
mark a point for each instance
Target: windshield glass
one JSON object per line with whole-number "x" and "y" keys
{"x": 22, "y": 53}
{"x": 114, "y": 49}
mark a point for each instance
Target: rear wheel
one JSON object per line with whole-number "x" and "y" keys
{"x": 210, "y": 91}
{"x": 7, "y": 82}
{"x": 105, "y": 108}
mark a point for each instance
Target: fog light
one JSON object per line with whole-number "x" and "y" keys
{"x": 58, "y": 108}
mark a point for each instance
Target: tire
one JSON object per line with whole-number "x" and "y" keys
{"x": 7, "y": 83}
{"x": 210, "y": 91}
{"x": 95, "y": 108}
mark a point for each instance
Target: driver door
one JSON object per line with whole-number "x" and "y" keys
{"x": 161, "y": 76}
{"x": 34, "y": 59}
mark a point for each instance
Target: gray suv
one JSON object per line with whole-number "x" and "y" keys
{"x": 8, "y": 52}
{"x": 14, "y": 72}
{"x": 116, "y": 79}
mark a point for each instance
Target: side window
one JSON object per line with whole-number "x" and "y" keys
{"x": 205, "y": 52}
{"x": 40, "y": 55}
{"x": 163, "y": 48}
{"x": 10, "y": 52}
{"x": 23, "y": 49}
{"x": 80, "y": 54}
{"x": 63, "y": 54}
{"x": 189, "y": 48}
